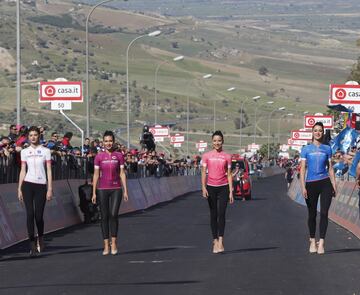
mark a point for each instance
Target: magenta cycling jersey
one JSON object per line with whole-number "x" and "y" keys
{"x": 217, "y": 164}
{"x": 109, "y": 165}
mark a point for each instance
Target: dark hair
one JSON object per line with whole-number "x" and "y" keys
{"x": 109, "y": 133}
{"x": 68, "y": 135}
{"x": 52, "y": 134}
{"x": 12, "y": 126}
{"x": 218, "y": 133}
{"x": 322, "y": 126}
{"x": 34, "y": 128}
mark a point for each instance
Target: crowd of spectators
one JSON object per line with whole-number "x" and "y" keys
{"x": 70, "y": 161}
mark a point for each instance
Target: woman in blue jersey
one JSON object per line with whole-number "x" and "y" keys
{"x": 320, "y": 181}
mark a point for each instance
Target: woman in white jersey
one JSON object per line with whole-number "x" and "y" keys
{"x": 34, "y": 188}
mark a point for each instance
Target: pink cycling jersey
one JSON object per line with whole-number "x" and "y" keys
{"x": 217, "y": 164}
{"x": 109, "y": 165}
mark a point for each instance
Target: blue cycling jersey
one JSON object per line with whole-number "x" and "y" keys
{"x": 317, "y": 159}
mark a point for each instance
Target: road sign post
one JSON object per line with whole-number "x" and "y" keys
{"x": 61, "y": 94}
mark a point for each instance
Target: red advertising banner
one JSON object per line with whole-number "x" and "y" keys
{"x": 344, "y": 94}
{"x": 328, "y": 121}
{"x": 301, "y": 135}
{"x": 161, "y": 131}
{"x": 60, "y": 91}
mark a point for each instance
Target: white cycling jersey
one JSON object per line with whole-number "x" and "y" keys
{"x": 35, "y": 159}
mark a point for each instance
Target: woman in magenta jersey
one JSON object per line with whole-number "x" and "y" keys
{"x": 109, "y": 178}
{"x": 217, "y": 188}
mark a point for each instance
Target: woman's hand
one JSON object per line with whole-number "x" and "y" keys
{"x": 205, "y": 193}
{"x": 304, "y": 193}
{"x": 93, "y": 199}
{"x": 334, "y": 191}
{"x": 126, "y": 197}
{"x": 231, "y": 197}
{"x": 20, "y": 195}
{"x": 49, "y": 194}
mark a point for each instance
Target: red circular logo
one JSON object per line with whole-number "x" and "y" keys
{"x": 311, "y": 121}
{"x": 152, "y": 130}
{"x": 340, "y": 93}
{"x": 296, "y": 135}
{"x": 49, "y": 90}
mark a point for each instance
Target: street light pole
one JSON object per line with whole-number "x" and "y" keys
{"x": 175, "y": 59}
{"x": 207, "y": 76}
{"x": 255, "y": 99}
{"x": 152, "y": 34}
{"x": 268, "y": 147}
{"x": 18, "y": 65}
{"x": 241, "y": 117}
{"x": 279, "y": 123}
{"x": 87, "y": 65}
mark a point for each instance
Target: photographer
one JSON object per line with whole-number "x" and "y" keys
{"x": 147, "y": 140}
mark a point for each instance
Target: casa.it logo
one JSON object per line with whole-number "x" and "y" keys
{"x": 296, "y": 135}
{"x": 311, "y": 121}
{"x": 340, "y": 93}
{"x": 49, "y": 90}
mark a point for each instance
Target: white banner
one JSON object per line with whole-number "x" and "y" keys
{"x": 292, "y": 142}
{"x": 344, "y": 94}
{"x": 159, "y": 130}
{"x": 159, "y": 139}
{"x": 301, "y": 135}
{"x": 60, "y": 91}
{"x": 310, "y": 121}
{"x": 177, "y": 138}
{"x": 201, "y": 144}
{"x": 177, "y": 144}
{"x": 61, "y": 105}
{"x": 284, "y": 148}
{"x": 253, "y": 147}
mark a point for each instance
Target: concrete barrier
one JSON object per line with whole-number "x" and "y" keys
{"x": 63, "y": 211}
{"x": 344, "y": 209}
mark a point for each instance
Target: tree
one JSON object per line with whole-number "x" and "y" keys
{"x": 274, "y": 149}
{"x": 355, "y": 72}
{"x": 263, "y": 71}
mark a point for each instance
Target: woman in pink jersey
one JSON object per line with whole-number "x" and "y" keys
{"x": 109, "y": 178}
{"x": 33, "y": 190}
{"x": 217, "y": 187}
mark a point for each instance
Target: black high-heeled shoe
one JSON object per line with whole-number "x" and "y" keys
{"x": 33, "y": 249}
{"x": 40, "y": 244}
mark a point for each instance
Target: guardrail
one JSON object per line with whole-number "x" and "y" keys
{"x": 344, "y": 209}
{"x": 74, "y": 167}
{"x": 63, "y": 210}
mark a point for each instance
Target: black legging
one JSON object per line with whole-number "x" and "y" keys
{"x": 218, "y": 200}
{"x": 34, "y": 196}
{"x": 109, "y": 200}
{"x": 323, "y": 188}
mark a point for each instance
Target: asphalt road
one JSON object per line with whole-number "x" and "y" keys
{"x": 167, "y": 250}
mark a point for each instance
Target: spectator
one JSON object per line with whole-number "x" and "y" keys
{"x": 13, "y": 132}
{"x": 54, "y": 143}
{"x": 86, "y": 146}
{"x": 42, "y": 135}
{"x": 66, "y": 141}
{"x": 22, "y": 139}
{"x": 289, "y": 174}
